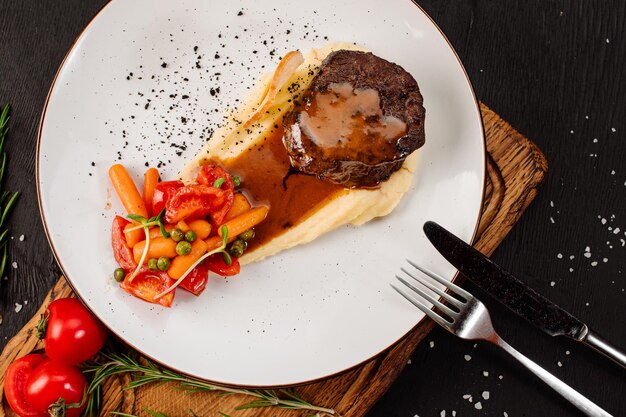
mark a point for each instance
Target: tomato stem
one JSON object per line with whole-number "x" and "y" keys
{"x": 42, "y": 326}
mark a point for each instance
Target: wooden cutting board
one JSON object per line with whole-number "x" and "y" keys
{"x": 516, "y": 167}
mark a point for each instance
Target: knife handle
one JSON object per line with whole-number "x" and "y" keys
{"x": 600, "y": 344}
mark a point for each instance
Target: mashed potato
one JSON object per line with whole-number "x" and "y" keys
{"x": 356, "y": 207}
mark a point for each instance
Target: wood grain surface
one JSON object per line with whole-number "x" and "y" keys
{"x": 515, "y": 169}
{"x": 555, "y": 70}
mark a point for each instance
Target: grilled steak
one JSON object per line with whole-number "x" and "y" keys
{"x": 358, "y": 121}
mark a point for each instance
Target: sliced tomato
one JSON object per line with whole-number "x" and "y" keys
{"x": 196, "y": 201}
{"x": 162, "y": 193}
{"x": 216, "y": 264}
{"x": 208, "y": 174}
{"x": 148, "y": 284}
{"x": 122, "y": 253}
{"x": 15, "y": 383}
{"x": 197, "y": 279}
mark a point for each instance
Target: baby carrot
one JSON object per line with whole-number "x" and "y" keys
{"x": 159, "y": 246}
{"x": 134, "y": 236}
{"x": 238, "y": 225}
{"x": 150, "y": 181}
{"x": 201, "y": 228}
{"x": 127, "y": 191}
{"x": 181, "y": 264}
{"x": 184, "y": 227}
{"x": 240, "y": 205}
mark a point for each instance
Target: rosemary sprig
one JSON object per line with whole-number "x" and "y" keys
{"x": 147, "y": 372}
{"x": 7, "y": 199}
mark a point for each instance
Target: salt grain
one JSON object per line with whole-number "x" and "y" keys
{"x": 607, "y": 40}
{"x": 21, "y": 238}
{"x": 616, "y": 231}
{"x": 559, "y": 255}
{"x": 485, "y": 373}
{"x": 551, "y": 203}
{"x": 571, "y": 257}
{"x": 478, "y": 406}
{"x": 559, "y": 364}
{"x": 587, "y": 255}
{"x": 18, "y": 307}
{"x": 605, "y": 260}
{"x": 485, "y": 395}
{"x": 613, "y": 130}
{"x": 594, "y": 263}
{"x": 506, "y": 414}
{"x": 431, "y": 344}
{"x": 595, "y": 140}
{"x": 408, "y": 362}
{"x": 552, "y": 283}
{"x": 467, "y": 358}
{"x": 567, "y": 352}
{"x": 443, "y": 413}
{"x": 500, "y": 377}
{"x": 14, "y": 265}
{"x": 551, "y": 220}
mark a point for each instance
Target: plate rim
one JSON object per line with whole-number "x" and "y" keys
{"x": 226, "y": 384}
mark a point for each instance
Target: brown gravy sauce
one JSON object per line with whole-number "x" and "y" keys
{"x": 349, "y": 120}
{"x": 267, "y": 178}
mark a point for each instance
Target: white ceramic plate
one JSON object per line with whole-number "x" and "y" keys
{"x": 306, "y": 313}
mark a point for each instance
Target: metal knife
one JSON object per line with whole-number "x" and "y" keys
{"x": 516, "y": 295}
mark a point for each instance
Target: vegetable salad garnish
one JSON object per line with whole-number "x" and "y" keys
{"x": 174, "y": 233}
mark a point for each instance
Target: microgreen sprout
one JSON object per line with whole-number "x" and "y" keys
{"x": 145, "y": 224}
{"x": 221, "y": 248}
{"x": 218, "y": 182}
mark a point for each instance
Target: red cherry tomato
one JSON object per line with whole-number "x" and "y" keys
{"x": 15, "y": 381}
{"x": 52, "y": 380}
{"x": 208, "y": 175}
{"x": 196, "y": 201}
{"x": 197, "y": 279}
{"x": 122, "y": 253}
{"x": 162, "y": 193}
{"x": 216, "y": 264}
{"x": 73, "y": 335}
{"x": 148, "y": 284}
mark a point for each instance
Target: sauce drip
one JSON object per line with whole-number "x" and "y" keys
{"x": 267, "y": 177}
{"x": 347, "y": 120}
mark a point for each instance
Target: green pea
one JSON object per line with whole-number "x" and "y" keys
{"x": 177, "y": 235}
{"x": 163, "y": 263}
{"x": 190, "y": 236}
{"x": 183, "y": 247}
{"x": 119, "y": 274}
{"x": 236, "y": 181}
{"x": 152, "y": 264}
{"x": 237, "y": 248}
{"x": 247, "y": 235}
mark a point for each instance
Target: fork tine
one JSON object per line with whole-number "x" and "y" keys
{"x": 447, "y": 310}
{"x": 455, "y": 288}
{"x": 436, "y": 290}
{"x": 430, "y": 313}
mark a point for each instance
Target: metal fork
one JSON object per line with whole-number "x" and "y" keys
{"x": 468, "y": 318}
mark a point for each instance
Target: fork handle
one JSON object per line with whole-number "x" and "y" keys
{"x": 569, "y": 393}
{"x": 600, "y": 344}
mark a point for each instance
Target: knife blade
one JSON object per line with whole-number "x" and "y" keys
{"x": 514, "y": 294}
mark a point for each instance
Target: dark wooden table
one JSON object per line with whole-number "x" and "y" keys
{"x": 555, "y": 71}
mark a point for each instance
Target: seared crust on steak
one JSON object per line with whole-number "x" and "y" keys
{"x": 374, "y": 161}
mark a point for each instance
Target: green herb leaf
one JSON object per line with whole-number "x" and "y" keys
{"x": 218, "y": 182}
{"x": 137, "y": 218}
{"x": 236, "y": 181}
{"x": 227, "y": 259}
{"x": 147, "y": 372}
